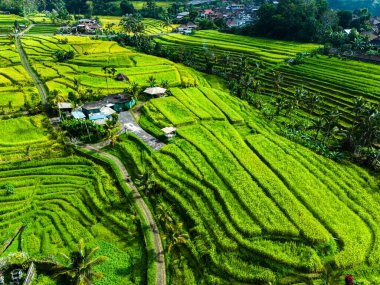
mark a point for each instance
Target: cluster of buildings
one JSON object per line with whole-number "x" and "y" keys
{"x": 233, "y": 14}
{"x": 84, "y": 26}
{"x": 100, "y": 111}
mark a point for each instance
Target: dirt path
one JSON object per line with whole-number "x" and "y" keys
{"x": 158, "y": 249}
{"x": 25, "y": 63}
{"x": 130, "y": 125}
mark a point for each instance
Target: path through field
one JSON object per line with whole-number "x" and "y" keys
{"x": 158, "y": 249}
{"x": 130, "y": 125}
{"x": 25, "y": 63}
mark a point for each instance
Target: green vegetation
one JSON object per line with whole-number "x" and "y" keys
{"x": 63, "y": 200}
{"x": 83, "y": 75}
{"x": 16, "y": 87}
{"x": 255, "y": 206}
{"x": 7, "y": 23}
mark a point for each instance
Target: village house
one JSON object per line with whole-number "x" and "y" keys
{"x": 182, "y": 15}
{"x": 187, "y": 29}
{"x": 102, "y": 110}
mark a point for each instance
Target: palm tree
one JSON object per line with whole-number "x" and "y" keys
{"x": 152, "y": 81}
{"x": 105, "y": 70}
{"x": 177, "y": 236}
{"x": 134, "y": 89}
{"x": 164, "y": 83}
{"x": 81, "y": 262}
{"x": 167, "y": 23}
{"x": 58, "y": 99}
{"x": 277, "y": 81}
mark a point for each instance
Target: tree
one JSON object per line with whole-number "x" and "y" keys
{"x": 134, "y": 89}
{"x": 127, "y": 7}
{"x": 177, "y": 236}
{"x": 132, "y": 24}
{"x": 345, "y": 18}
{"x": 80, "y": 264}
{"x": 9, "y": 188}
{"x": 167, "y": 23}
{"x": 152, "y": 82}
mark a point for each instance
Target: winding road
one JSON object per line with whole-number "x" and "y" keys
{"x": 147, "y": 215}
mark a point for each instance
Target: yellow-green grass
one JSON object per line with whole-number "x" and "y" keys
{"x": 7, "y": 22}
{"x": 63, "y": 200}
{"x": 263, "y": 206}
{"x": 89, "y": 59}
{"x": 15, "y": 83}
{"x": 152, "y": 26}
{"x": 26, "y": 137}
{"x": 40, "y": 18}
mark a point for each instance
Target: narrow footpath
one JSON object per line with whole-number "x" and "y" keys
{"x": 25, "y": 63}
{"x": 130, "y": 125}
{"x": 158, "y": 248}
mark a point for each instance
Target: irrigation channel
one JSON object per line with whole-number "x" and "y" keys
{"x": 147, "y": 215}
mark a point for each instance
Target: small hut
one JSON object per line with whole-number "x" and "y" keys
{"x": 170, "y": 132}
{"x": 121, "y": 77}
{"x": 155, "y": 91}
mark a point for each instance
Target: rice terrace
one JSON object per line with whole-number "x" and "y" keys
{"x": 189, "y": 142}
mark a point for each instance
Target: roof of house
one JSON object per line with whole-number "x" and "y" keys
{"x": 116, "y": 98}
{"x": 169, "y": 130}
{"x": 92, "y": 105}
{"x": 78, "y": 115}
{"x": 64, "y": 105}
{"x": 208, "y": 12}
{"x": 155, "y": 90}
{"x": 183, "y": 14}
{"x": 97, "y": 116}
{"x": 121, "y": 77}
{"x": 107, "y": 111}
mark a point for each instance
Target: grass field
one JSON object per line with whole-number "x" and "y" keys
{"x": 337, "y": 80}
{"x": 7, "y": 23}
{"x": 16, "y": 86}
{"x": 91, "y": 56}
{"x": 26, "y": 138}
{"x": 63, "y": 200}
{"x": 152, "y": 26}
{"x": 257, "y": 207}
{"x": 43, "y": 29}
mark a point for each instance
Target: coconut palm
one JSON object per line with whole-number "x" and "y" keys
{"x": 177, "y": 236}
{"x": 81, "y": 262}
{"x": 167, "y": 23}
{"x": 152, "y": 81}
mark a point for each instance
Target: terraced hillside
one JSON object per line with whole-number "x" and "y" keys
{"x": 257, "y": 208}
{"x": 85, "y": 70}
{"x": 60, "y": 201}
{"x": 337, "y": 80}
{"x": 7, "y": 22}
{"x": 152, "y": 26}
{"x": 26, "y": 138}
{"x": 16, "y": 86}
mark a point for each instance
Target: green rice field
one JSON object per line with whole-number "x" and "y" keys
{"x": 16, "y": 86}
{"x": 60, "y": 201}
{"x": 7, "y": 23}
{"x": 337, "y": 80}
{"x": 91, "y": 56}
{"x": 257, "y": 208}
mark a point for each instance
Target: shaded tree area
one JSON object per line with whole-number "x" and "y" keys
{"x": 293, "y": 20}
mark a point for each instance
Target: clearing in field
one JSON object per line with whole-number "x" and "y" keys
{"x": 254, "y": 207}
